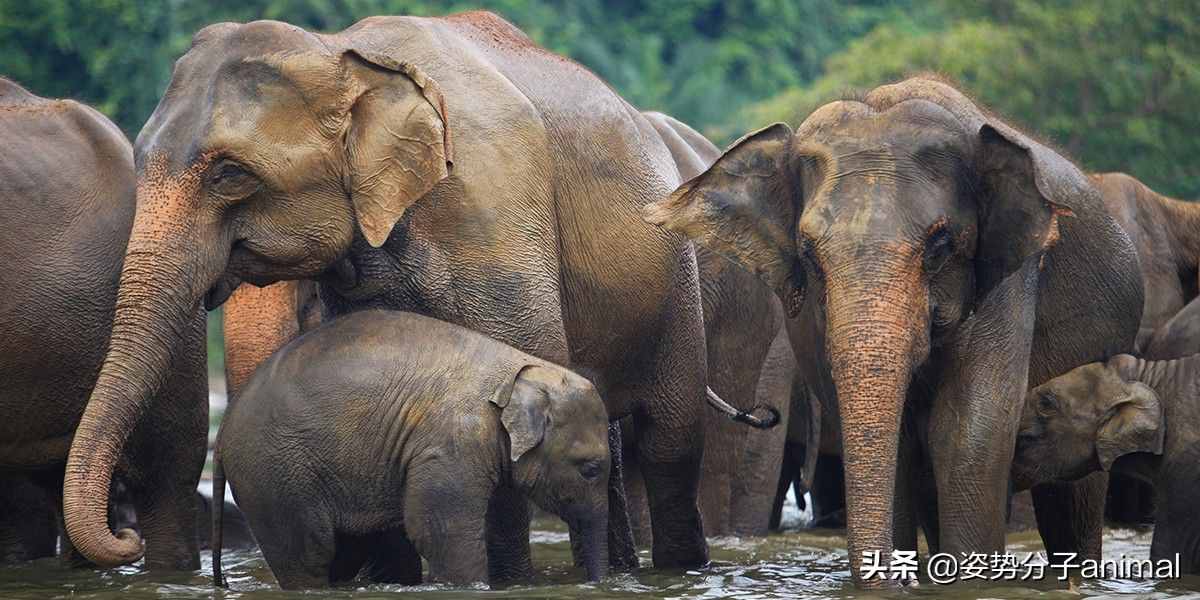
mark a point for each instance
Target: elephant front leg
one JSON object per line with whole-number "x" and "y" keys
{"x": 1070, "y": 517}
{"x": 445, "y": 521}
{"x": 508, "y": 536}
{"x": 670, "y": 449}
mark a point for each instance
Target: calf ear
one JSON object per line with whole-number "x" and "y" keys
{"x": 524, "y": 402}
{"x": 744, "y": 208}
{"x": 398, "y": 143}
{"x": 1134, "y": 424}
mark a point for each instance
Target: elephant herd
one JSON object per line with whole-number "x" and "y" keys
{"x": 460, "y": 273}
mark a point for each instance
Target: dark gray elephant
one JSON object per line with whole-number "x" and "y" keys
{"x": 741, "y": 318}
{"x": 939, "y": 255}
{"x": 383, "y": 437}
{"x": 1125, "y": 415}
{"x": 1166, "y": 234}
{"x": 66, "y": 209}
{"x": 371, "y": 160}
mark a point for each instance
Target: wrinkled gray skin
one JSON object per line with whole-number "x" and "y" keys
{"x": 446, "y": 166}
{"x": 741, "y": 318}
{"x": 66, "y": 209}
{"x": 1166, "y": 234}
{"x": 936, "y": 257}
{"x": 382, "y": 437}
{"x": 1131, "y": 416}
{"x": 1178, "y": 337}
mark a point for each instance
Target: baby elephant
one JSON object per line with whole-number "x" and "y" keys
{"x": 383, "y": 437}
{"x": 1127, "y": 415}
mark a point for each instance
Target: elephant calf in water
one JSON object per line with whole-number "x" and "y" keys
{"x": 1131, "y": 416}
{"x": 383, "y": 437}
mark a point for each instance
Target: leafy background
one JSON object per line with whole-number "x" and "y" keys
{"x": 1114, "y": 83}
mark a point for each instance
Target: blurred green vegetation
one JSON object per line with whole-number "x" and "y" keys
{"x": 1115, "y": 83}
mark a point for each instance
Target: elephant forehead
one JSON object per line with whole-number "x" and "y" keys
{"x": 253, "y": 83}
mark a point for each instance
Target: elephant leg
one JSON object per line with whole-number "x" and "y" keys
{"x": 622, "y": 553}
{"x": 1070, "y": 516}
{"x": 904, "y": 503}
{"x": 789, "y": 471}
{"x": 508, "y": 536}
{"x": 636, "y": 504}
{"x": 300, "y": 547}
{"x": 394, "y": 559}
{"x": 757, "y": 474}
{"x": 28, "y": 518}
{"x": 829, "y": 493}
{"x": 447, "y": 522}
{"x": 166, "y": 455}
{"x": 670, "y": 440}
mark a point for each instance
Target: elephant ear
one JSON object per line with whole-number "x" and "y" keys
{"x": 524, "y": 402}
{"x": 398, "y": 141}
{"x": 743, "y": 208}
{"x": 1026, "y": 187}
{"x": 1134, "y": 423}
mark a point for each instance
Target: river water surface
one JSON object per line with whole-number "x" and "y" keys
{"x": 795, "y": 564}
{"x": 799, "y": 563}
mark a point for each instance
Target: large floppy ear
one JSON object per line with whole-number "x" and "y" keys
{"x": 398, "y": 142}
{"x": 524, "y": 402}
{"x": 1134, "y": 423}
{"x": 744, "y": 208}
{"x": 1026, "y": 187}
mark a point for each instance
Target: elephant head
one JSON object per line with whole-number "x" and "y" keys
{"x": 1082, "y": 421}
{"x": 557, "y": 429}
{"x": 891, "y": 220}
{"x": 269, "y": 147}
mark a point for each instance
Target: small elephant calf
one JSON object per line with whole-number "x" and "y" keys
{"x": 383, "y": 437}
{"x": 1127, "y": 415}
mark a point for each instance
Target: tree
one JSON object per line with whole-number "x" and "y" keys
{"x": 1112, "y": 82}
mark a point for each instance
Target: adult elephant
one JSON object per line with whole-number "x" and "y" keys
{"x": 948, "y": 261}
{"x": 741, "y": 318}
{"x": 446, "y": 166}
{"x": 1166, "y": 234}
{"x": 66, "y": 209}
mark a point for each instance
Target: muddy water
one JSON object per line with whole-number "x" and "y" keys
{"x": 797, "y": 564}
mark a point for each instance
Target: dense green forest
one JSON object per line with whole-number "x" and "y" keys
{"x": 1114, "y": 83}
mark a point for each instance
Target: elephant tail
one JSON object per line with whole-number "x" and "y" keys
{"x": 741, "y": 416}
{"x": 218, "y": 518}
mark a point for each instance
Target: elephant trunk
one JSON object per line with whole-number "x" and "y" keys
{"x": 160, "y": 290}
{"x": 877, "y": 333}
{"x": 595, "y": 544}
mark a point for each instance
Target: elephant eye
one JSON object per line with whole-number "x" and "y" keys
{"x": 939, "y": 247}
{"x": 231, "y": 180}
{"x": 590, "y": 470}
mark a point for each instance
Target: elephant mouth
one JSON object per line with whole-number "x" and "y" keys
{"x": 221, "y": 291}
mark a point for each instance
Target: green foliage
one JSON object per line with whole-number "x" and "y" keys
{"x": 1112, "y": 82}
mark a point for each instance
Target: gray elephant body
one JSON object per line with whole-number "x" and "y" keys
{"x": 382, "y": 437}
{"x": 1129, "y": 416}
{"x": 935, "y": 257}
{"x": 444, "y": 166}
{"x": 66, "y": 208}
{"x": 741, "y": 321}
